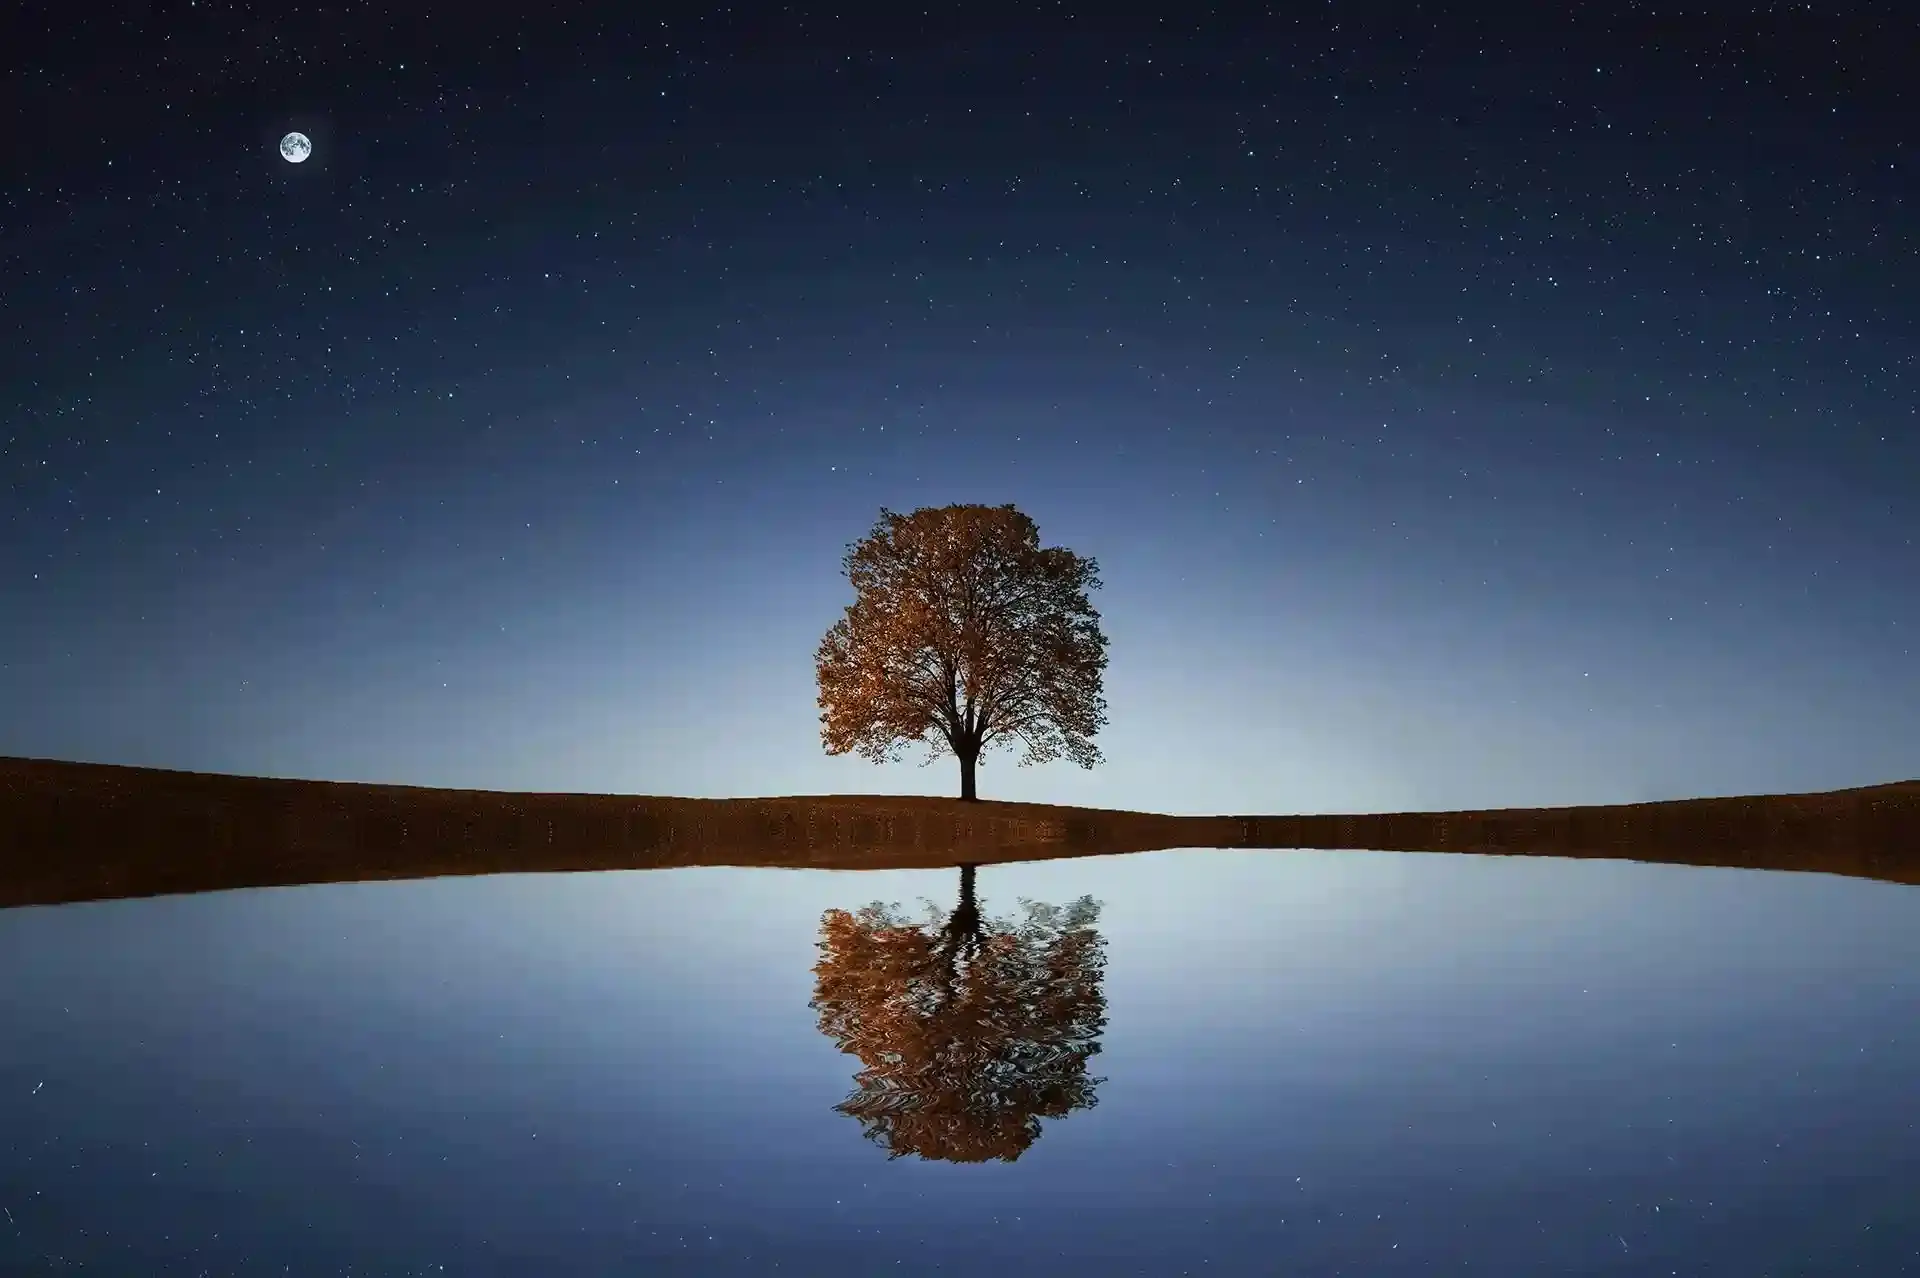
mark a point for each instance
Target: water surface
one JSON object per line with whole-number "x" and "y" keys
{"x": 1308, "y": 1062}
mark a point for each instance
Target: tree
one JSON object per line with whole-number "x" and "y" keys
{"x": 964, "y": 633}
{"x": 969, "y": 1033}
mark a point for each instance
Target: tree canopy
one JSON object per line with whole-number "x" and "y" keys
{"x": 964, "y": 634}
{"x": 969, "y": 1033}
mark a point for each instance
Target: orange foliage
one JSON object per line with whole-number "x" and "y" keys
{"x": 964, "y": 634}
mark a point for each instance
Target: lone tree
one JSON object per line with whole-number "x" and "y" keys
{"x": 966, "y": 634}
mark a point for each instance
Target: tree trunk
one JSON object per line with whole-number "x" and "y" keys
{"x": 968, "y": 759}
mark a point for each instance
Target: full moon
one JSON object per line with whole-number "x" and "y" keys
{"x": 295, "y": 147}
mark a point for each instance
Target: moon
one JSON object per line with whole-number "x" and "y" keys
{"x": 295, "y": 147}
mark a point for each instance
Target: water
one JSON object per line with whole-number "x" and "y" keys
{"x": 1310, "y": 1063}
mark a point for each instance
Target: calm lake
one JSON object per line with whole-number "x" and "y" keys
{"x": 1308, "y": 1063}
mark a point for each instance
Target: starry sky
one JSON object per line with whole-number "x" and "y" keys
{"x": 1464, "y": 411}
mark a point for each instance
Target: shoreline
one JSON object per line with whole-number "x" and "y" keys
{"x": 72, "y": 832}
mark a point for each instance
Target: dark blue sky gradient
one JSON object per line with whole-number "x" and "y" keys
{"x": 1461, "y": 413}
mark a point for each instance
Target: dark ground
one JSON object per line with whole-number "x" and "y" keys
{"x": 78, "y": 832}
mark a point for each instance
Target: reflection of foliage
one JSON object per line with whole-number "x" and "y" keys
{"x": 971, "y": 1032}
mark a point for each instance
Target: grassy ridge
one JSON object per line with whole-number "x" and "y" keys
{"x": 1872, "y": 832}
{"x": 76, "y": 832}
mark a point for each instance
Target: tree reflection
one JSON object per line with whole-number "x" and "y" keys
{"x": 970, "y": 1031}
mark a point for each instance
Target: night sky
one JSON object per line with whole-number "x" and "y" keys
{"x": 1462, "y": 413}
